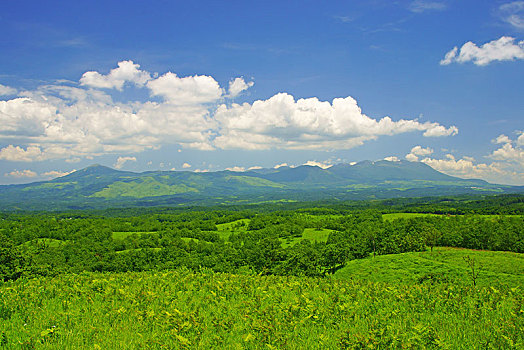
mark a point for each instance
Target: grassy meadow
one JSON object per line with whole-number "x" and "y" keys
{"x": 380, "y": 303}
{"x": 204, "y": 310}
{"x": 443, "y": 265}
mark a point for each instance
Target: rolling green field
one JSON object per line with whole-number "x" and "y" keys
{"x": 393, "y": 216}
{"x": 442, "y": 265}
{"x": 310, "y": 234}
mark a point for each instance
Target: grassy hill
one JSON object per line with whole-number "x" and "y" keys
{"x": 442, "y": 265}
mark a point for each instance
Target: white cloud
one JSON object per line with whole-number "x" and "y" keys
{"x": 122, "y": 160}
{"x": 201, "y": 170}
{"x": 502, "y": 139}
{"x": 507, "y": 166}
{"x": 440, "y": 131}
{"x": 282, "y": 122}
{"x": 411, "y": 157}
{"x": 18, "y": 154}
{"x": 237, "y": 169}
{"x": 502, "y": 49}
{"x": 323, "y": 165}
{"x": 419, "y": 6}
{"x": 81, "y": 122}
{"x": 280, "y": 165}
{"x": 6, "y": 90}
{"x": 421, "y": 151}
{"x": 417, "y": 151}
{"x": 198, "y": 89}
{"x": 186, "y": 166}
{"x": 21, "y": 174}
{"x": 54, "y": 174}
{"x": 256, "y": 167}
{"x": 520, "y": 140}
{"x": 392, "y": 159}
{"x": 509, "y": 153}
{"x": 238, "y": 85}
{"x": 127, "y": 71}
{"x": 449, "y": 57}
{"x": 464, "y": 168}
{"x": 513, "y": 13}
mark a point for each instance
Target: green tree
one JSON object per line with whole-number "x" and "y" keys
{"x": 12, "y": 262}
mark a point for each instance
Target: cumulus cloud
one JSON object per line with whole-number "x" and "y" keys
{"x": 127, "y": 71}
{"x": 21, "y": 174}
{"x": 280, "y": 165}
{"x": 502, "y": 139}
{"x": 239, "y": 169}
{"x": 122, "y": 160}
{"x": 421, "y": 151}
{"x": 392, "y": 159}
{"x": 417, "y": 151}
{"x": 323, "y": 165}
{"x": 466, "y": 168}
{"x": 61, "y": 121}
{"x": 513, "y": 13}
{"x": 419, "y": 6}
{"x": 238, "y": 85}
{"x": 18, "y": 154}
{"x": 503, "y": 49}
{"x": 6, "y": 90}
{"x": 509, "y": 153}
{"x": 256, "y": 167}
{"x": 186, "y": 166}
{"x": 520, "y": 140}
{"x": 282, "y": 122}
{"x": 507, "y": 166}
{"x": 198, "y": 89}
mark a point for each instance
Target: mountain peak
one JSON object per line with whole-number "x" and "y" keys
{"x": 92, "y": 170}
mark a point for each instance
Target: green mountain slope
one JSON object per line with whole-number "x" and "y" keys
{"x": 98, "y": 186}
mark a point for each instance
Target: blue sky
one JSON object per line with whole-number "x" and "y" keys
{"x": 208, "y": 85}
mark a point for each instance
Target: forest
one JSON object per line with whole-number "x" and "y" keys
{"x": 280, "y": 239}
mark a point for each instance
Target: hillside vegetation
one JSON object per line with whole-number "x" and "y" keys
{"x": 443, "y": 265}
{"x": 204, "y": 310}
{"x": 442, "y": 273}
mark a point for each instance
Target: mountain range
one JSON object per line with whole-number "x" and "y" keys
{"x": 98, "y": 186}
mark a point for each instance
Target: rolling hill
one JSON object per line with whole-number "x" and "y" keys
{"x": 98, "y": 186}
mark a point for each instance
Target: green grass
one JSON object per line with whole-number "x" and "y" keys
{"x": 229, "y": 226}
{"x": 189, "y": 310}
{"x": 225, "y": 230}
{"x": 446, "y": 264}
{"x": 393, "y": 216}
{"x": 311, "y": 234}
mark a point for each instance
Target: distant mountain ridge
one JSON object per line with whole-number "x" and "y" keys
{"x": 98, "y": 186}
